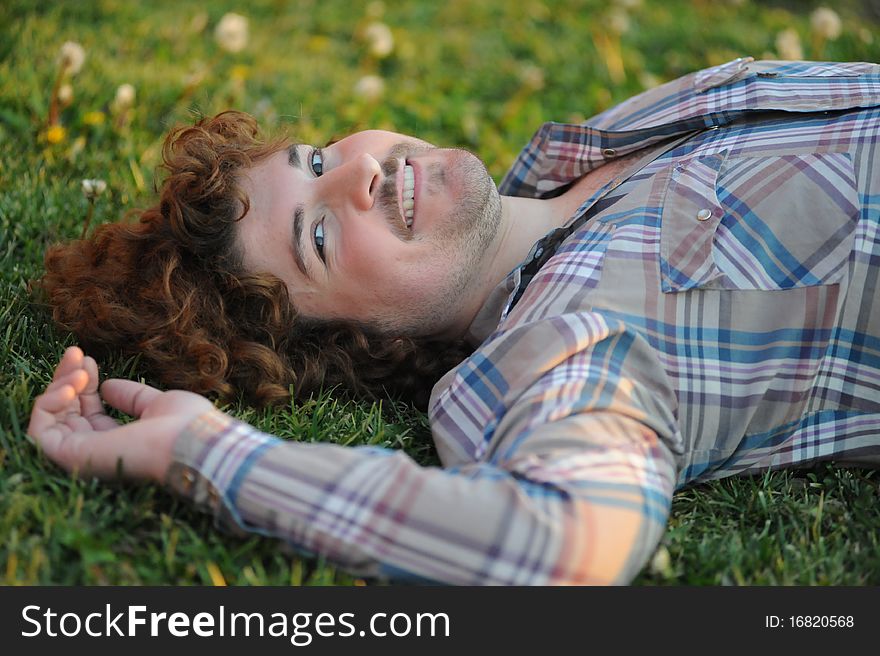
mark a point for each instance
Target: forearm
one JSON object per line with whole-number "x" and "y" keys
{"x": 564, "y": 514}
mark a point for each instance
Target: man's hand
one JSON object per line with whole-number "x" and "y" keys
{"x": 69, "y": 423}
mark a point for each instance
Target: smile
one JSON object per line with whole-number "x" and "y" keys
{"x": 409, "y": 194}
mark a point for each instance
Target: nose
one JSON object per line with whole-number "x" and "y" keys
{"x": 355, "y": 181}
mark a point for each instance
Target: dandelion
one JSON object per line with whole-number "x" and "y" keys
{"x": 122, "y": 104}
{"x": 125, "y": 96}
{"x": 380, "y": 41}
{"x": 231, "y": 33}
{"x": 65, "y": 95}
{"x": 91, "y": 189}
{"x": 826, "y": 27}
{"x": 826, "y": 23}
{"x": 532, "y": 77}
{"x": 239, "y": 73}
{"x": 788, "y": 45}
{"x": 93, "y": 118}
{"x": 661, "y": 563}
{"x": 71, "y": 58}
{"x": 370, "y": 87}
{"x": 56, "y": 134}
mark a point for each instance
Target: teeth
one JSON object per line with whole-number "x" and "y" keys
{"x": 409, "y": 186}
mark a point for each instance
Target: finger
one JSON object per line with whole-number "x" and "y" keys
{"x": 70, "y": 361}
{"x": 46, "y": 406}
{"x": 128, "y": 396}
{"x": 89, "y": 399}
{"x": 77, "y": 378}
{"x": 57, "y": 400}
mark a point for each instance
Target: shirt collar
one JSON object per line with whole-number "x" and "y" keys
{"x": 562, "y": 168}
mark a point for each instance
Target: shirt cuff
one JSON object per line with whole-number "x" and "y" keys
{"x": 210, "y": 458}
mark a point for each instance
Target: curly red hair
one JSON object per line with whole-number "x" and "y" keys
{"x": 172, "y": 288}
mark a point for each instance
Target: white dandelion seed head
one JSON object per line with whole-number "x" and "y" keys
{"x": 125, "y": 96}
{"x": 370, "y": 87}
{"x": 65, "y": 94}
{"x": 379, "y": 38}
{"x": 826, "y": 23}
{"x": 71, "y": 57}
{"x": 661, "y": 561}
{"x": 788, "y": 45}
{"x": 93, "y": 188}
{"x": 231, "y": 32}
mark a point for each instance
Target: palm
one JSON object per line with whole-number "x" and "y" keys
{"x": 69, "y": 422}
{"x": 74, "y": 420}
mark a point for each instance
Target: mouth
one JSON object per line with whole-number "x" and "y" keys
{"x": 408, "y": 194}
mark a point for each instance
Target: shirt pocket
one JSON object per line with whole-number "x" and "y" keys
{"x": 758, "y": 222}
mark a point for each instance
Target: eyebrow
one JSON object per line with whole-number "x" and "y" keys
{"x": 298, "y": 254}
{"x": 294, "y": 160}
{"x": 293, "y": 155}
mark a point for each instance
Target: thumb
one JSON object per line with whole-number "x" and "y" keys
{"x": 128, "y": 396}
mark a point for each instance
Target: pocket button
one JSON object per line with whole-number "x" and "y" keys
{"x": 704, "y": 215}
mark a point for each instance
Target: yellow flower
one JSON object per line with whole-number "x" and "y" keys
{"x": 93, "y": 118}
{"x": 56, "y": 134}
{"x": 239, "y": 73}
{"x": 232, "y": 32}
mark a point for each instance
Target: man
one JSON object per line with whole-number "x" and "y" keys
{"x": 700, "y": 302}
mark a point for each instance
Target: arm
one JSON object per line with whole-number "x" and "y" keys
{"x": 581, "y": 498}
{"x": 572, "y": 484}
{"x": 584, "y": 500}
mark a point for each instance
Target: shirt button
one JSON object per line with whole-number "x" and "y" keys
{"x": 609, "y": 152}
{"x": 704, "y": 214}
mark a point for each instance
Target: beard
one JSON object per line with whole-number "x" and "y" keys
{"x": 460, "y": 238}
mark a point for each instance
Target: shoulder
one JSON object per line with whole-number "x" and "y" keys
{"x": 764, "y": 85}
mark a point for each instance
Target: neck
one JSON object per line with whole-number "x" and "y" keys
{"x": 523, "y": 222}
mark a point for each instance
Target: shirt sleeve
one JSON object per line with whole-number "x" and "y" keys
{"x": 579, "y": 496}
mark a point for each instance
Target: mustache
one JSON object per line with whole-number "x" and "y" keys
{"x": 386, "y": 196}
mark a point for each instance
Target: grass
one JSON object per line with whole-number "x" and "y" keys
{"x": 479, "y": 74}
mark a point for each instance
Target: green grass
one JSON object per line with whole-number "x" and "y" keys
{"x": 479, "y": 74}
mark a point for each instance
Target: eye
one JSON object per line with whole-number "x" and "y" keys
{"x": 316, "y": 161}
{"x": 319, "y": 239}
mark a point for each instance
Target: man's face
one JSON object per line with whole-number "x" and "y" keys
{"x": 343, "y": 208}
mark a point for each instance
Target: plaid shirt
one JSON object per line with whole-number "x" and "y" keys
{"x": 714, "y": 311}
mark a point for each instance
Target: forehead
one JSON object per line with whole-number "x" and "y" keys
{"x": 377, "y": 139}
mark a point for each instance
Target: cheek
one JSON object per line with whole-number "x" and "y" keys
{"x": 391, "y": 272}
